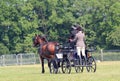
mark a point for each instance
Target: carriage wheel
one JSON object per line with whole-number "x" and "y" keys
{"x": 53, "y": 67}
{"x": 66, "y": 66}
{"x": 77, "y": 66}
{"x": 91, "y": 64}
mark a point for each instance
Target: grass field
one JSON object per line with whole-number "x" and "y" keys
{"x": 106, "y": 71}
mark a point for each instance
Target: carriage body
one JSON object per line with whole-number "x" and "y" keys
{"x": 68, "y": 58}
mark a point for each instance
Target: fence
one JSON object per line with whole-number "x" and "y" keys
{"x": 22, "y": 59}
{"x": 19, "y": 59}
{"x": 107, "y": 55}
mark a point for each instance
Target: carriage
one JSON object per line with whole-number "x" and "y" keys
{"x": 62, "y": 56}
{"x": 68, "y": 58}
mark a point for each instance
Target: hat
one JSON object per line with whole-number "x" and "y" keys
{"x": 74, "y": 27}
{"x": 79, "y": 28}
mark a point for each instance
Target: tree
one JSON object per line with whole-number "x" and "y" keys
{"x": 3, "y": 49}
{"x": 21, "y": 19}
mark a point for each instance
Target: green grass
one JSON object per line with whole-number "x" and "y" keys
{"x": 106, "y": 71}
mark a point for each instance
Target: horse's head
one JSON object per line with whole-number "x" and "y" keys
{"x": 38, "y": 40}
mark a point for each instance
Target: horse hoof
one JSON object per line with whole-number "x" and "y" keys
{"x": 43, "y": 72}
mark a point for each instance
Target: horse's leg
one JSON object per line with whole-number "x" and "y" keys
{"x": 49, "y": 61}
{"x": 42, "y": 62}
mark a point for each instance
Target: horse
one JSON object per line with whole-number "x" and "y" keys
{"x": 46, "y": 49}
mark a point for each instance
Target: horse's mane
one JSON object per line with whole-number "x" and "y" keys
{"x": 43, "y": 38}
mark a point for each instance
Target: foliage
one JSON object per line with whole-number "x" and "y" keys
{"x": 3, "y": 49}
{"x": 21, "y": 19}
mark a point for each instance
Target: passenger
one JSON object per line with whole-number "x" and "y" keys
{"x": 73, "y": 32}
{"x": 80, "y": 42}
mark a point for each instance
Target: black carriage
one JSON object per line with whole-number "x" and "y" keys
{"x": 62, "y": 60}
{"x": 68, "y": 58}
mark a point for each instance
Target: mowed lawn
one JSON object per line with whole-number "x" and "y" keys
{"x": 106, "y": 71}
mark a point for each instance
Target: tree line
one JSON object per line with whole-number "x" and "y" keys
{"x": 20, "y": 20}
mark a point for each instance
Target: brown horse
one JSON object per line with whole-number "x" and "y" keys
{"x": 46, "y": 49}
